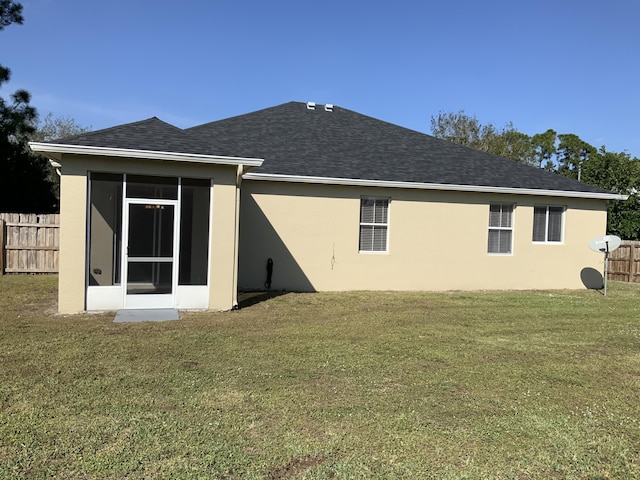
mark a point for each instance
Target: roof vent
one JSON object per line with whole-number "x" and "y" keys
{"x": 311, "y": 105}
{"x": 328, "y": 107}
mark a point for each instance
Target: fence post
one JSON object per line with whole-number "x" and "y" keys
{"x": 632, "y": 250}
{"x": 2, "y": 250}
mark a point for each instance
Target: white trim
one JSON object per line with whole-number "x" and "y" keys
{"x": 375, "y": 224}
{"x": 151, "y": 259}
{"x": 192, "y": 297}
{"x": 257, "y": 162}
{"x": 149, "y": 300}
{"x": 106, "y": 297}
{"x": 510, "y": 228}
{"x": 146, "y": 154}
{"x": 163, "y": 300}
{"x": 546, "y": 240}
{"x": 430, "y": 186}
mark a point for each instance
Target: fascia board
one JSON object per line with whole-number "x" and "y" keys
{"x": 431, "y": 186}
{"x": 56, "y": 149}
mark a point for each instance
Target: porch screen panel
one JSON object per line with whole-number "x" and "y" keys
{"x": 142, "y": 186}
{"x": 105, "y": 229}
{"x": 150, "y": 230}
{"x": 194, "y": 231}
{"x": 149, "y": 278}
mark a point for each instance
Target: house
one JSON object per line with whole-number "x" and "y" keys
{"x": 156, "y": 216}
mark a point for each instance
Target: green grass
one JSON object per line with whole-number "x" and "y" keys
{"x": 508, "y": 385}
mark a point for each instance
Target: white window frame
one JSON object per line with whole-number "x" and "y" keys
{"x": 509, "y": 228}
{"x": 546, "y": 224}
{"x": 374, "y": 224}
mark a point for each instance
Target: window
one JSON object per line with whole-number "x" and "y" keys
{"x": 500, "y": 228}
{"x": 547, "y": 224}
{"x": 374, "y": 224}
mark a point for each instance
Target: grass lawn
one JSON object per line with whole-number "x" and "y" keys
{"x": 509, "y": 385}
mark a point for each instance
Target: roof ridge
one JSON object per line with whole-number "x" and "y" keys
{"x": 115, "y": 127}
{"x": 244, "y": 114}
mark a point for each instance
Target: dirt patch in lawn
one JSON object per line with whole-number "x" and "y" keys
{"x": 295, "y": 467}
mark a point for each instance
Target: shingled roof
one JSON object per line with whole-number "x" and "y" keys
{"x": 152, "y": 134}
{"x": 341, "y": 144}
{"x": 335, "y": 143}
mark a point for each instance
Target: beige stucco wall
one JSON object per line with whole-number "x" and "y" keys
{"x": 437, "y": 240}
{"x": 223, "y": 273}
{"x": 73, "y": 223}
{"x": 73, "y": 242}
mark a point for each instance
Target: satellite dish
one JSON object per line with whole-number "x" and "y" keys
{"x": 605, "y": 244}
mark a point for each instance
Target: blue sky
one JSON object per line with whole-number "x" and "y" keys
{"x": 570, "y": 65}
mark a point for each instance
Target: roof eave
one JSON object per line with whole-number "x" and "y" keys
{"x": 432, "y": 186}
{"x": 55, "y": 150}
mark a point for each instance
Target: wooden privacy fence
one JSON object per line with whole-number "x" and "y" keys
{"x": 29, "y": 243}
{"x": 624, "y": 262}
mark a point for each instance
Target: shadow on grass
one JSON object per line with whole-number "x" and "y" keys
{"x": 248, "y": 299}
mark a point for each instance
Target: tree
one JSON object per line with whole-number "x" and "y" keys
{"x": 572, "y": 153}
{"x": 623, "y": 218}
{"x": 511, "y": 143}
{"x": 464, "y": 130}
{"x": 544, "y": 146}
{"x": 10, "y": 12}
{"x": 458, "y": 128}
{"x": 24, "y": 186}
{"x": 619, "y": 173}
{"x": 53, "y": 128}
{"x": 565, "y": 154}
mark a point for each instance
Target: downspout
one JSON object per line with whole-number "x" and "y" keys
{"x": 236, "y": 239}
